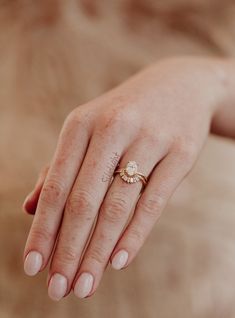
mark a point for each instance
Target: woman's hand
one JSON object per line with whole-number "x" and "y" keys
{"x": 160, "y": 118}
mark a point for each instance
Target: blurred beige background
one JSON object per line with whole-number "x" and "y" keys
{"x": 56, "y": 54}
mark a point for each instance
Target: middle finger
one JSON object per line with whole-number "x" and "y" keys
{"x": 81, "y": 208}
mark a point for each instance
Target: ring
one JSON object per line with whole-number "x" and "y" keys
{"x": 130, "y": 173}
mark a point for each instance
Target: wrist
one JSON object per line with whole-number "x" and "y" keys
{"x": 205, "y": 77}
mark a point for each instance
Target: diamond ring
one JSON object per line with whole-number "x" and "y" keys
{"x": 130, "y": 173}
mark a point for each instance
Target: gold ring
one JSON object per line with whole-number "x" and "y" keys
{"x": 130, "y": 173}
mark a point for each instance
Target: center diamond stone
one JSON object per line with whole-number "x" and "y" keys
{"x": 131, "y": 168}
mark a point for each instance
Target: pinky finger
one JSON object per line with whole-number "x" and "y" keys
{"x": 164, "y": 180}
{"x": 31, "y": 201}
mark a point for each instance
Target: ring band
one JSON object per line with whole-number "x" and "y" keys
{"x": 130, "y": 173}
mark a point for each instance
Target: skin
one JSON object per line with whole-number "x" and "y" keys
{"x": 160, "y": 118}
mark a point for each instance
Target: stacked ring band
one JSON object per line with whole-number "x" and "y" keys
{"x": 130, "y": 173}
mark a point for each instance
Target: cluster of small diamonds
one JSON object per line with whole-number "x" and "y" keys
{"x": 130, "y": 172}
{"x": 129, "y": 179}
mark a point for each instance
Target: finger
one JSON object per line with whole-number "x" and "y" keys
{"x": 31, "y": 201}
{"x": 164, "y": 180}
{"x": 114, "y": 214}
{"x": 82, "y": 206}
{"x": 68, "y": 157}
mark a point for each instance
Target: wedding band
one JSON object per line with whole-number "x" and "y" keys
{"x": 130, "y": 173}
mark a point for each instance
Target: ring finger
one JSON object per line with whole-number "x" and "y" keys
{"x": 114, "y": 214}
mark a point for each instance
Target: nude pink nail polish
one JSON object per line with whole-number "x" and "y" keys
{"x": 83, "y": 285}
{"x": 32, "y": 263}
{"x": 120, "y": 259}
{"x": 57, "y": 287}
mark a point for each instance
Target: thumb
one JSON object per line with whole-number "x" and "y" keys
{"x": 31, "y": 201}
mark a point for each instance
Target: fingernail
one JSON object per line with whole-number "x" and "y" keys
{"x": 120, "y": 259}
{"x": 32, "y": 263}
{"x": 57, "y": 287}
{"x": 83, "y": 285}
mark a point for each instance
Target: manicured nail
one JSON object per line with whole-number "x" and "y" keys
{"x": 120, "y": 259}
{"x": 83, "y": 285}
{"x": 57, "y": 287}
{"x": 32, "y": 263}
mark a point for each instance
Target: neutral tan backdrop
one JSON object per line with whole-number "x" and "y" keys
{"x": 57, "y": 54}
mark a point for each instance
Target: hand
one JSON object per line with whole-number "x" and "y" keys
{"x": 160, "y": 118}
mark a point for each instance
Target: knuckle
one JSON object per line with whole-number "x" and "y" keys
{"x": 136, "y": 238}
{"x": 153, "y": 139}
{"x": 52, "y": 192}
{"x": 74, "y": 117}
{"x": 113, "y": 122}
{"x": 66, "y": 255}
{"x": 115, "y": 209}
{"x": 152, "y": 206}
{"x": 80, "y": 204}
{"x": 186, "y": 151}
{"x": 97, "y": 255}
{"x": 40, "y": 235}
{"x": 77, "y": 118}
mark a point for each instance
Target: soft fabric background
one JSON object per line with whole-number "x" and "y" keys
{"x": 56, "y": 54}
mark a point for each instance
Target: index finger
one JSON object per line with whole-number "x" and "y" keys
{"x": 67, "y": 160}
